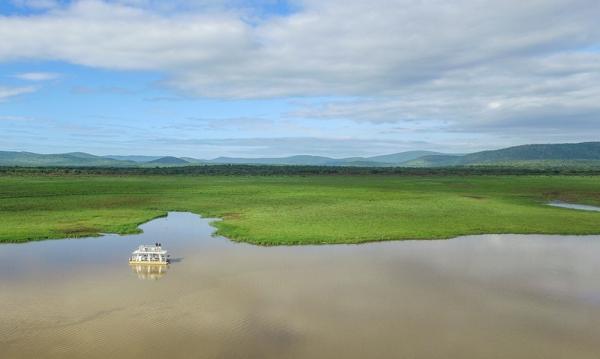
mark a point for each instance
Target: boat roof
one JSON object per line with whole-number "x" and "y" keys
{"x": 150, "y": 249}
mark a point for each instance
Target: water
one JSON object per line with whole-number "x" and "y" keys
{"x": 581, "y": 207}
{"x": 493, "y": 296}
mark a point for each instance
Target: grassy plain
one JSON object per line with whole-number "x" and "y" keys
{"x": 275, "y": 210}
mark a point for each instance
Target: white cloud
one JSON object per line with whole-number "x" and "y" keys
{"x": 37, "y": 76}
{"x": 334, "y": 47}
{"x": 494, "y": 105}
{"x": 97, "y": 34}
{"x": 8, "y": 92}
{"x": 464, "y": 65}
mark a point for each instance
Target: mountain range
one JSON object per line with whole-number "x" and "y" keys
{"x": 566, "y": 154}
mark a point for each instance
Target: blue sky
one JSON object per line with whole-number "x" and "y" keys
{"x": 205, "y": 78}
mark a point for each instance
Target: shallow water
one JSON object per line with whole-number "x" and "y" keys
{"x": 582, "y": 207}
{"x": 493, "y": 296}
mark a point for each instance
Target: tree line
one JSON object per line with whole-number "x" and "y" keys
{"x": 272, "y": 170}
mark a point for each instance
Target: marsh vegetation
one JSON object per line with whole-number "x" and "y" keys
{"x": 273, "y": 210}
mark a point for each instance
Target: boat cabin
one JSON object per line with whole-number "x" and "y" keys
{"x": 149, "y": 254}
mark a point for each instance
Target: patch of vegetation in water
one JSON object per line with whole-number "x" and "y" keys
{"x": 274, "y": 210}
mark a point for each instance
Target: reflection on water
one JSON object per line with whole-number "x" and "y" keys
{"x": 493, "y": 296}
{"x": 149, "y": 271}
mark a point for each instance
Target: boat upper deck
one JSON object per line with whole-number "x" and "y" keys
{"x": 145, "y": 249}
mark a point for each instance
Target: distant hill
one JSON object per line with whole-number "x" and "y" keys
{"x": 168, "y": 160}
{"x": 585, "y": 154}
{"x": 193, "y": 160}
{"x": 74, "y": 159}
{"x": 307, "y": 160}
{"x": 292, "y": 160}
{"x": 566, "y": 151}
{"x": 134, "y": 158}
{"x": 300, "y": 160}
{"x": 402, "y": 157}
{"x": 85, "y": 159}
{"x": 538, "y": 155}
{"x": 434, "y": 161}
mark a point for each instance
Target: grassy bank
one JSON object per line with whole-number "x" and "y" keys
{"x": 295, "y": 209}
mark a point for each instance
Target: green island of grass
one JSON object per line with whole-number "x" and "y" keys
{"x": 280, "y": 210}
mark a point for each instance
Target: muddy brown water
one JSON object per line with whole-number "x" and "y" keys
{"x": 492, "y": 296}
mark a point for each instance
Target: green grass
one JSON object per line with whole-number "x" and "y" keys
{"x": 299, "y": 210}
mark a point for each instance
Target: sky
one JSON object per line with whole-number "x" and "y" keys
{"x": 339, "y": 78}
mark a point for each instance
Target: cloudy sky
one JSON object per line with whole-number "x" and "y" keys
{"x": 205, "y": 78}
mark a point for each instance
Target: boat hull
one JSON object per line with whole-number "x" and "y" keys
{"x": 149, "y": 263}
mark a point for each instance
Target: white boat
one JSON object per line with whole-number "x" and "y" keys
{"x": 149, "y": 254}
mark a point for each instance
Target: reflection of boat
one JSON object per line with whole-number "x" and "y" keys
{"x": 149, "y": 254}
{"x": 149, "y": 271}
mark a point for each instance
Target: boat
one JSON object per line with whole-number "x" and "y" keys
{"x": 150, "y": 254}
